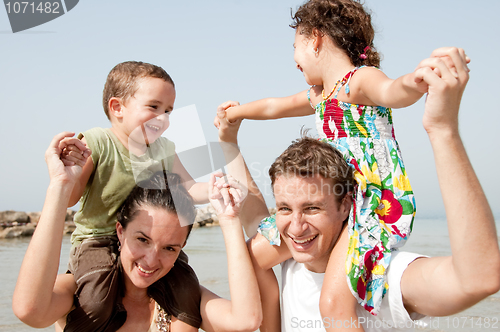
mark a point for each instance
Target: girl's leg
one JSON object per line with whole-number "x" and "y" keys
{"x": 337, "y": 304}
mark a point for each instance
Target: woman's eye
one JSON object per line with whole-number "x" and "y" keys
{"x": 153, "y": 106}
{"x": 143, "y": 240}
{"x": 170, "y": 248}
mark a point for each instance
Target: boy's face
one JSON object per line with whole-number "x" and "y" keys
{"x": 145, "y": 115}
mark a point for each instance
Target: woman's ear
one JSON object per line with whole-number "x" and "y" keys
{"x": 119, "y": 231}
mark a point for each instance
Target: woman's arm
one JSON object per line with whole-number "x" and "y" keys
{"x": 40, "y": 297}
{"x": 243, "y": 312}
{"x": 272, "y": 108}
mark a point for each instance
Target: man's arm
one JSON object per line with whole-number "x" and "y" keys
{"x": 447, "y": 285}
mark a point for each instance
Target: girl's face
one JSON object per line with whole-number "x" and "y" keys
{"x": 305, "y": 57}
{"x": 150, "y": 245}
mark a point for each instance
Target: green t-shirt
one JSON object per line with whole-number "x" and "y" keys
{"x": 116, "y": 172}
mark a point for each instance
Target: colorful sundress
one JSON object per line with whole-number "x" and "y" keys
{"x": 384, "y": 206}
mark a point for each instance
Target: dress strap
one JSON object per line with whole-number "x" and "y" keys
{"x": 345, "y": 82}
{"x": 309, "y": 97}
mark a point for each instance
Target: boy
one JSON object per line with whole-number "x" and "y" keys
{"x": 137, "y": 98}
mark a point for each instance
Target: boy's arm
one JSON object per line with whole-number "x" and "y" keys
{"x": 197, "y": 190}
{"x": 473, "y": 271}
{"x": 377, "y": 89}
{"x": 272, "y": 108}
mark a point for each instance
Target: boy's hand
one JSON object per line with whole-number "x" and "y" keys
{"x": 73, "y": 151}
{"x": 67, "y": 172}
{"x": 226, "y": 195}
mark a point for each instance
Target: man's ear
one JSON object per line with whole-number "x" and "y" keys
{"x": 115, "y": 107}
{"x": 346, "y": 204}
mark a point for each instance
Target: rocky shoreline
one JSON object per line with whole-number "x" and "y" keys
{"x": 14, "y": 224}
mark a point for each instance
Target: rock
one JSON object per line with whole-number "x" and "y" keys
{"x": 69, "y": 215}
{"x": 9, "y": 217}
{"x": 206, "y": 216}
{"x": 17, "y": 231}
{"x": 69, "y": 227}
{"x": 34, "y": 217}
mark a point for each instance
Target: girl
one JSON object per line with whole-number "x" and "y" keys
{"x": 151, "y": 230}
{"x": 351, "y": 98}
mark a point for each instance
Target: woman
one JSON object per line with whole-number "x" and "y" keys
{"x": 151, "y": 236}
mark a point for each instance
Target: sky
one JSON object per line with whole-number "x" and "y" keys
{"x": 52, "y": 76}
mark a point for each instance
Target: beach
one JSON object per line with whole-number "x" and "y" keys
{"x": 206, "y": 252}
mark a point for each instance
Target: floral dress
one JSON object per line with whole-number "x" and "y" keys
{"x": 384, "y": 206}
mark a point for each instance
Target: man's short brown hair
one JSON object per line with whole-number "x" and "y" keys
{"x": 122, "y": 81}
{"x": 308, "y": 157}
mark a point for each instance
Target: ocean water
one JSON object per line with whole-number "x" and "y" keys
{"x": 208, "y": 258}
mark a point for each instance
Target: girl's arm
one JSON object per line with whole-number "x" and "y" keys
{"x": 374, "y": 88}
{"x": 272, "y": 108}
{"x": 243, "y": 312}
{"x": 41, "y": 297}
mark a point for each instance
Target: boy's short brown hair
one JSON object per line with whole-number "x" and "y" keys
{"x": 122, "y": 80}
{"x": 307, "y": 157}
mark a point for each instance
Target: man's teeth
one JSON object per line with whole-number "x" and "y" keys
{"x": 305, "y": 240}
{"x": 144, "y": 271}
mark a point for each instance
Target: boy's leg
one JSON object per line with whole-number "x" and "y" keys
{"x": 94, "y": 266}
{"x": 179, "y": 292}
{"x": 337, "y": 304}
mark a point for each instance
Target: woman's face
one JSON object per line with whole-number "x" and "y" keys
{"x": 150, "y": 245}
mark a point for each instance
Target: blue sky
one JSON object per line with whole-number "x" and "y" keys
{"x": 51, "y": 79}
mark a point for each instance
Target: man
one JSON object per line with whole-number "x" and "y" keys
{"x": 310, "y": 219}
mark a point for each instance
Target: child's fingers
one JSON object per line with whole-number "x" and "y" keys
{"x": 225, "y": 105}
{"x": 225, "y": 196}
{"x": 237, "y": 195}
{"x": 72, "y": 141}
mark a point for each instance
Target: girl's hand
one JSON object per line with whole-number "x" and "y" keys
{"x": 226, "y": 195}
{"x": 67, "y": 171}
{"x": 447, "y": 74}
{"x": 228, "y": 131}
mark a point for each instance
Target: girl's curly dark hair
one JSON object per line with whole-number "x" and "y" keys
{"x": 346, "y": 22}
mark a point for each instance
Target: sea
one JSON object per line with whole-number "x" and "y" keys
{"x": 207, "y": 256}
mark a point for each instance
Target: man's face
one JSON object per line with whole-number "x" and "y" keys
{"x": 309, "y": 218}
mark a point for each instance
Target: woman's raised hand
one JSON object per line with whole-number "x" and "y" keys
{"x": 226, "y": 194}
